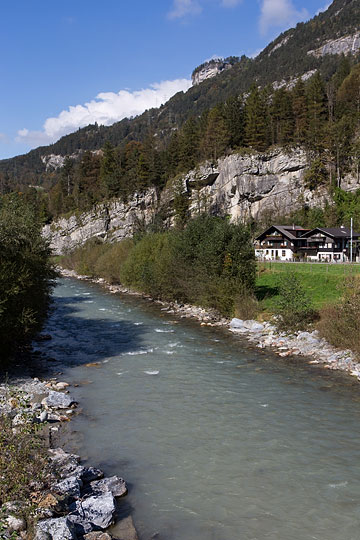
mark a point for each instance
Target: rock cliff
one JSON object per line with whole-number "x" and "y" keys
{"x": 253, "y": 185}
{"x": 343, "y": 45}
{"x": 244, "y": 187}
{"x": 111, "y": 221}
{"x": 208, "y": 70}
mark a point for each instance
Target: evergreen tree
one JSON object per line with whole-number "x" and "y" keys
{"x": 217, "y": 136}
{"x": 234, "y": 115}
{"x": 109, "y": 171}
{"x": 316, "y": 98}
{"x": 300, "y": 109}
{"x": 282, "y": 118}
{"x": 189, "y": 145}
{"x": 256, "y": 129}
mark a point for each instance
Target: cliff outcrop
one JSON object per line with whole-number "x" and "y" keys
{"x": 244, "y": 187}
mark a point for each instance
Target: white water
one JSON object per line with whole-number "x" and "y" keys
{"x": 216, "y": 440}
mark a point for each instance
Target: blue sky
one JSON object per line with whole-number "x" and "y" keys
{"x": 67, "y": 63}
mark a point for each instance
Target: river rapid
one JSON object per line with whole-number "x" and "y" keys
{"x": 216, "y": 440}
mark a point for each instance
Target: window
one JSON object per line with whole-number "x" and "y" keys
{"x": 283, "y": 253}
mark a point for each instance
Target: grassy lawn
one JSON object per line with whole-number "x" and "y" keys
{"x": 323, "y": 281}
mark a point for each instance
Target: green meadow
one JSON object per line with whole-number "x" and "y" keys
{"x": 324, "y": 282}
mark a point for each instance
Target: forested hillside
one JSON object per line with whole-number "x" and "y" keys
{"x": 238, "y": 110}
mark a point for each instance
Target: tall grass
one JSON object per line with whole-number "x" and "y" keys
{"x": 340, "y": 324}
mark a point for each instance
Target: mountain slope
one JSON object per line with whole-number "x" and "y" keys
{"x": 289, "y": 56}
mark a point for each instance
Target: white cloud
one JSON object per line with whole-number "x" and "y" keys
{"x": 106, "y": 109}
{"x": 280, "y": 13}
{"x": 181, "y": 8}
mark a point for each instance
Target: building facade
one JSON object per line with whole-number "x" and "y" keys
{"x": 289, "y": 243}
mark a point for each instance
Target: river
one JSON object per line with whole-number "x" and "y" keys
{"x": 217, "y": 440}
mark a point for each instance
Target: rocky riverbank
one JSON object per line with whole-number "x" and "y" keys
{"x": 72, "y": 501}
{"x": 308, "y": 345}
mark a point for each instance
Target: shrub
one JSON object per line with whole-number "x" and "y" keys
{"x": 26, "y": 274}
{"x": 294, "y": 305}
{"x": 246, "y": 305}
{"x": 340, "y": 324}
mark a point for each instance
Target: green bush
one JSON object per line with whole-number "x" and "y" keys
{"x": 210, "y": 262}
{"x": 26, "y": 273}
{"x": 340, "y": 324}
{"x": 294, "y": 305}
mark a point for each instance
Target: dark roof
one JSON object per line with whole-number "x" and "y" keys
{"x": 333, "y": 232}
{"x": 286, "y": 230}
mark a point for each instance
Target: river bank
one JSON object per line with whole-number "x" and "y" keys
{"x": 67, "y": 500}
{"x": 308, "y": 345}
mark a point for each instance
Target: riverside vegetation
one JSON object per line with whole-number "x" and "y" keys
{"x": 26, "y": 274}
{"x": 210, "y": 263}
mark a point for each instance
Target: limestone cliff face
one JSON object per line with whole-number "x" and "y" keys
{"x": 343, "y": 45}
{"x": 209, "y": 70}
{"x": 111, "y": 221}
{"x": 241, "y": 186}
{"x": 252, "y": 186}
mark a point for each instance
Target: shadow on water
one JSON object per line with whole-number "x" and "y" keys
{"x": 79, "y": 340}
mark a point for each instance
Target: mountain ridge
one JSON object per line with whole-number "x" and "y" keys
{"x": 284, "y": 59}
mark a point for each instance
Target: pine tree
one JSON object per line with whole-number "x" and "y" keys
{"x": 282, "y": 118}
{"x": 316, "y": 97}
{"x": 300, "y": 109}
{"x": 217, "y": 136}
{"x": 109, "y": 171}
{"x": 234, "y": 115}
{"x": 256, "y": 128}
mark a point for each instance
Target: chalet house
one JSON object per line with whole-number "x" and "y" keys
{"x": 330, "y": 245}
{"x": 286, "y": 243}
{"x": 280, "y": 242}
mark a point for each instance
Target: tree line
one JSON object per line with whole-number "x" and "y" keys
{"x": 321, "y": 115}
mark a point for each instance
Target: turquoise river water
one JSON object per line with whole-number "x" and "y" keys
{"x": 217, "y": 440}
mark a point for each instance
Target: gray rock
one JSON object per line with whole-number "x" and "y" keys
{"x": 15, "y": 524}
{"x": 55, "y": 529}
{"x": 115, "y": 485}
{"x": 69, "y": 486}
{"x": 125, "y": 529}
{"x": 64, "y": 463}
{"x": 97, "y": 536}
{"x": 43, "y": 416}
{"x": 89, "y": 474}
{"x": 19, "y": 420}
{"x": 58, "y": 400}
{"x": 94, "y": 513}
{"x": 236, "y": 323}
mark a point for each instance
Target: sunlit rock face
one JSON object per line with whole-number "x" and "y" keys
{"x": 344, "y": 45}
{"x": 244, "y": 187}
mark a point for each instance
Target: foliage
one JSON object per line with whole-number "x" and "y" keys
{"x": 210, "y": 263}
{"x": 316, "y": 175}
{"x": 237, "y": 108}
{"x": 23, "y": 461}
{"x": 294, "y": 307}
{"x": 26, "y": 273}
{"x": 340, "y": 324}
